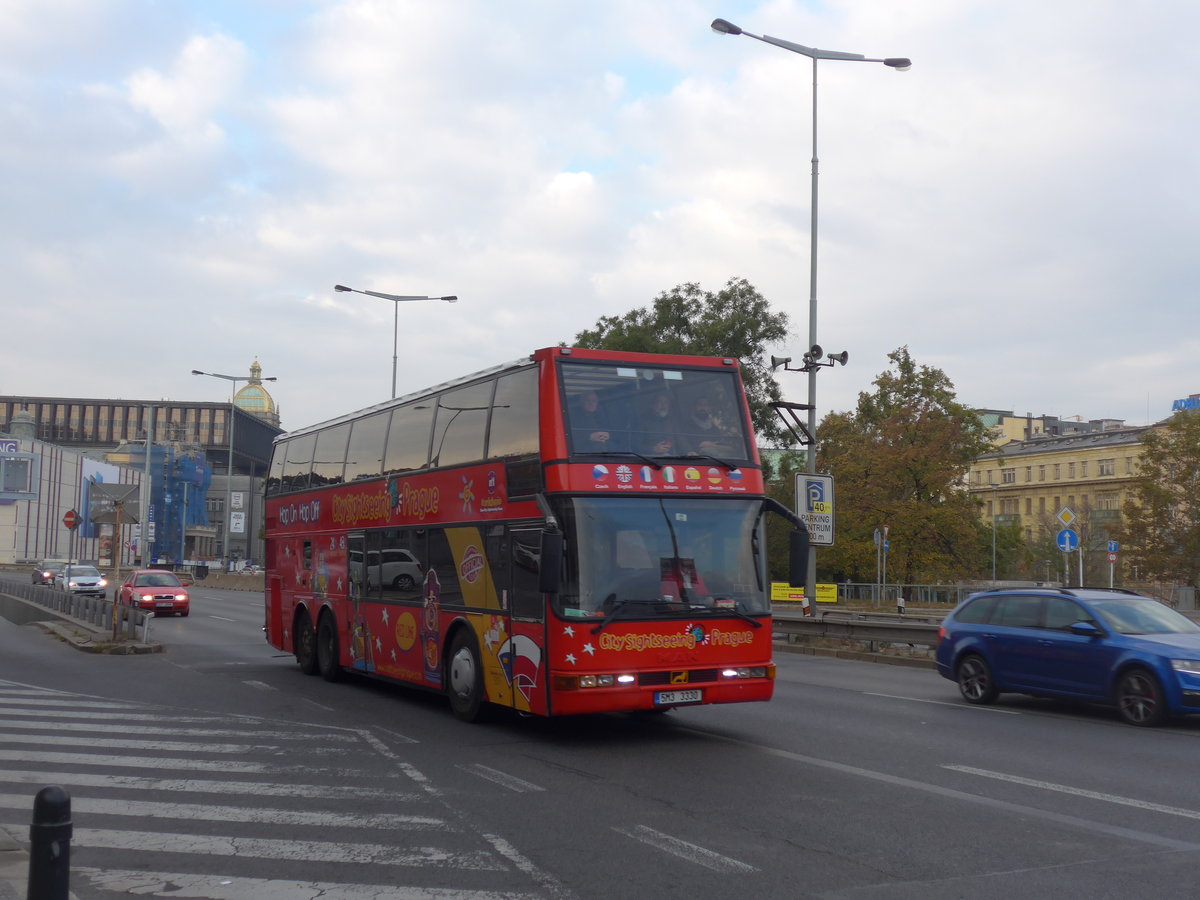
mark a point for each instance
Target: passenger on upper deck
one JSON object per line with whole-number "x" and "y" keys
{"x": 661, "y": 431}
{"x": 590, "y": 431}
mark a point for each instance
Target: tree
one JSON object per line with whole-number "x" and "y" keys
{"x": 1161, "y": 530}
{"x": 901, "y": 459}
{"x": 736, "y": 322}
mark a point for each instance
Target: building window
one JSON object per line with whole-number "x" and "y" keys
{"x": 1129, "y": 465}
{"x": 1041, "y": 473}
{"x": 1028, "y": 474}
{"x": 1028, "y": 506}
{"x": 1106, "y": 467}
{"x": 1008, "y": 476}
{"x": 1083, "y": 469}
{"x": 1057, "y": 471}
{"x": 1041, "y": 506}
{"x": 1111, "y": 500}
{"x": 1070, "y": 470}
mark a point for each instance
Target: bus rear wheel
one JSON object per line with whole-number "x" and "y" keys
{"x": 464, "y": 677}
{"x": 305, "y": 642}
{"x": 328, "y": 661}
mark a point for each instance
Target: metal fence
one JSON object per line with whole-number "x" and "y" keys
{"x": 96, "y": 612}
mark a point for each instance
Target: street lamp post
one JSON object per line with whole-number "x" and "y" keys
{"x": 229, "y": 468}
{"x": 396, "y": 301}
{"x": 901, "y": 64}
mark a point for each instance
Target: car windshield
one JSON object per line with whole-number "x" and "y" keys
{"x": 157, "y": 579}
{"x": 1142, "y": 616}
{"x": 84, "y": 572}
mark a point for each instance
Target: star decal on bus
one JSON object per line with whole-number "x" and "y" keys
{"x": 589, "y": 649}
{"x": 569, "y": 631}
{"x": 571, "y": 658}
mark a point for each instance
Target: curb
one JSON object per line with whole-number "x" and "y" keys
{"x": 90, "y": 640}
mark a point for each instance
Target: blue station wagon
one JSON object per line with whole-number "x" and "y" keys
{"x": 1108, "y": 646}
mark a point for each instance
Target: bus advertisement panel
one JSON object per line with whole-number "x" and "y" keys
{"x": 494, "y": 539}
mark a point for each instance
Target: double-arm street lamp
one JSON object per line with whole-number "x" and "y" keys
{"x": 396, "y": 301}
{"x": 721, "y": 26}
{"x": 229, "y": 470}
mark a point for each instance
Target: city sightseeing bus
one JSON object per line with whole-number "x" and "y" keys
{"x": 579, "y": 531}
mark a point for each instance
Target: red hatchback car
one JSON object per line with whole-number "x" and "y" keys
{"x": 155, "y": 589}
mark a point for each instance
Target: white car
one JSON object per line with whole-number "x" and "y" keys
{"x": 85, "y": 580}
{"x": 398, "y": 569}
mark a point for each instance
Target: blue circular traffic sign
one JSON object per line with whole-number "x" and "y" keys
{"x": 1067, "y": 540}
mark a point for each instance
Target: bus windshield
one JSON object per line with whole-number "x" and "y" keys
{"x": 654, "y": 411}
{"x": 668, "y": 555}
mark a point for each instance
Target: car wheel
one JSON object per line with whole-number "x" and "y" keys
{"x": 1140, "y": 699}
{"x": 975, "y": 681}
{"x": 464, "y": 677}
{"x": 403, "y": 583}
{"x": 305, "y": 641}
{"x": 184, "y": 612}
{"x": 328, "y": 662}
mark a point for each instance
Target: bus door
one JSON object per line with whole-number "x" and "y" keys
{"x": 526, "y": 606}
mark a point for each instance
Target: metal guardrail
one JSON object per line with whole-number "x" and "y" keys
{"x": 96, "y": 612}
{"x": 906, "y": 629}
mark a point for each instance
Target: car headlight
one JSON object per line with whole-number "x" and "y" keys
{"x": 1186, "y": 665}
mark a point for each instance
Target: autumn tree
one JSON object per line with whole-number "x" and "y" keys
{"x": 1161, "y": 530}
{"x": 901, "y": 459}
{"x": 736, "y": 322}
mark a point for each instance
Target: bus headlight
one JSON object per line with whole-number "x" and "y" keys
{"x": 749, "y": 672}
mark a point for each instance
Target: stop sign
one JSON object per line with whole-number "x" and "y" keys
{"x": 71, "y": 518}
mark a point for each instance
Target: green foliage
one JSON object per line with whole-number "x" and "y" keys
{"x": 901, "y": 460}
{"x": 736, "y": 322}
{"x": 1161, "y": 530}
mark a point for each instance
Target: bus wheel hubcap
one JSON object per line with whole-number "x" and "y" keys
{"x": 462, "y": 673}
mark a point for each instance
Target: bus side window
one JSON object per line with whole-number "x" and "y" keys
{"x": 524, "y": 599}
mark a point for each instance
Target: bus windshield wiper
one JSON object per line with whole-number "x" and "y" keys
{"x": 620, "y": 605}
{"x": 649, "y": 460}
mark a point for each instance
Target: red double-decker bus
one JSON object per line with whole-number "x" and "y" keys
{"x": 578, "y": 531}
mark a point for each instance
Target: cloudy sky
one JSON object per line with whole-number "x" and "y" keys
{"x": 182, "y": 184}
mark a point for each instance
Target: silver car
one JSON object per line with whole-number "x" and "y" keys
{"x": 85, "y": 580}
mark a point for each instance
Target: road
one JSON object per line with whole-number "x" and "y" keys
{"x": 217, "y": 770}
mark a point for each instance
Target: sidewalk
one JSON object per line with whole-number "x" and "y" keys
{"x": 14, "y": 864}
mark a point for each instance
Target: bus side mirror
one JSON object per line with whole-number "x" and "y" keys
{"x": 550, "y": 564}
{"x": 798, "y": 557}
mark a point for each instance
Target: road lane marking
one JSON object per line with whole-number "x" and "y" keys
{"x": 511, "y": 782}
{"x": 1079, "y": 792}
{"x": 684, "y": 850}
{"x": 991, "y": 709}
{"x": 950, "y": 793}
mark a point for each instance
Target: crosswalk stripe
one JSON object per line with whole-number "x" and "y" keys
{"x": 138, "y": 762}
{"x": 219, "y": 887}
{"x": 189, "y": 786}
{"x": 89, "y": 728}
{"x": 208, "y": 813}
{"x": 271, "y": 848}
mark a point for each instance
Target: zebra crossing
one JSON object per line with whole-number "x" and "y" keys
{"x": 196, "y": 806}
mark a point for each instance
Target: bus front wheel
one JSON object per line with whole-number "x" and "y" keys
{"x": 328, "y": 661}
{"x": 305, "y": 642}
{"x": 464, "y": 677}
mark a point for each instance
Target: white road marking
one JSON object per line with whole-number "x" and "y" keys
{"x": 964, "y": 705}
{"x": 191, "y": 786}
{"x": 691, "y": 852}
{"x": 193, "y": 811}
{"x": 503, "y": 779}
{"x": 1079, "y": 792}
{"x": 218, "y": 887}
{"x": 128, "y": 744}
{"x": 261, "y": 685}
{"x": 90, "y": 727}
{"x": 138, "y": 762}
{"x": 270, "y": 848}
{"x": 110, "y": 717}
{"x": 221, "y": 618}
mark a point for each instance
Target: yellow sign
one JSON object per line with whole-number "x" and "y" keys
{"x": 781, "y": 592}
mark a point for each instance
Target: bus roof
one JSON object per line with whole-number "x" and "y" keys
{"x": 580, "y": 353}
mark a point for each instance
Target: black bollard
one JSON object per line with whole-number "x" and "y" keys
{"x": 50, "y": 845}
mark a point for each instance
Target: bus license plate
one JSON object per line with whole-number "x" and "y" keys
{"x": 673, "y": 698}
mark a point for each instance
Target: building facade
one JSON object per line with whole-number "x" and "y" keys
{"x": 207, "y": 462}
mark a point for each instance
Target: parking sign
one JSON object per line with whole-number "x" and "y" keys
{"x": 814, "y": 505}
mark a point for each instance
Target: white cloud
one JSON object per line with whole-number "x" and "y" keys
{"x": 1017, "y": 209}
